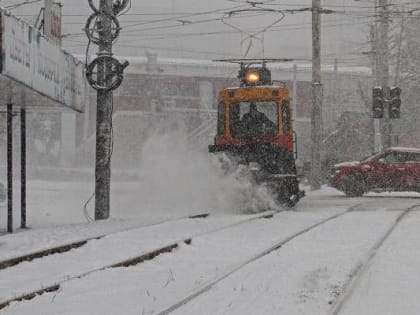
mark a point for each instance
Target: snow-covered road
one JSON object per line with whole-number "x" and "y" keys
{"x": 305, "y": 276}
{"x": 96, "y": 254}
{"x": 391, "y": 283}
{"x": 191, "y": 267}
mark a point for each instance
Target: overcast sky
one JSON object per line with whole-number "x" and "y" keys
{"x": 192, "y": 28}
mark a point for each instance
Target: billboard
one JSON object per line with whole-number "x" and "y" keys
{"x": 52, "y": 21}
{"x": 37, "y": 62}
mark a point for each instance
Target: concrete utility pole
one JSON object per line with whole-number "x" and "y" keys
{"x": 104, "y": 115}
{"x": 104, "y": 74}
{"x": 383, "y": 67}
{"x": 316, "y": 115}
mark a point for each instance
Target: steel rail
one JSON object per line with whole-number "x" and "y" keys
{"x": 137, "y": 258}
{"x": 360, "y": 270}
{"x": 256, "y": 257}
{"x": 59, "y": 249}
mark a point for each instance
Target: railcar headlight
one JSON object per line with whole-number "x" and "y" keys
{"x": 252, "y": 77}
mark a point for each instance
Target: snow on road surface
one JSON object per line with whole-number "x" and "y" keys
{"x": 303, "y": 277}
{"x": 29, "y": 241}
{"x": 28, "y": 276}
{"x": 391, "y": 284}
{"x": 56, "y": 234}
{"x": 157, "y": 284}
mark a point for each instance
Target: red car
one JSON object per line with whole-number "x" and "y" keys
{"x": 394, "y": 169}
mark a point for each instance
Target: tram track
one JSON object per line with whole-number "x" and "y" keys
{"x": 360, "y": 270}
{"x": 59, "y": 249}
{"x": 181, "y": 300}
{"x": 253, "y": 259}
{"x": 357, "y": 273}
{"x": 55, "y": 286}
{"x": 128, "y": 261}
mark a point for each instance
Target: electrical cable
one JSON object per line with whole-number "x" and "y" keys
{"x": 181, "y": 23}
{"x": 183, "y": 16}
{"x": 87, "y": 53}
{"x": 85, "y": 212}
{"x": 160, "y": 27}
{"x": 253, "y": 35}
{"x": 14, "y": 6}
{"x": 288, "y": 27}
{"x": 126, "y": 10}
{"x": 191, "y": 23}
{"x": 89, "y": 219}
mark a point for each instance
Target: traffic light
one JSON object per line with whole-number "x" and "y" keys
{"x": 378, "y": 102}
{"x": 394, "y": 103}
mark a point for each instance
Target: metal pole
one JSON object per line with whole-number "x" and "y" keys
{"x": 294, "y": 95}
{"x": 103, "y": 118}
{"x": 23, "y": 167}
{"x": 332, "y": 110}
{"x": 383, "y": 67}
{"x": 9, "y": 168}
{"x": 316, "y": 118}
{"x": 294, "y": 108}
{"x": 377, "y": 136}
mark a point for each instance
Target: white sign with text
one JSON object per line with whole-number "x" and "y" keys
{"x": 39, "y": 63}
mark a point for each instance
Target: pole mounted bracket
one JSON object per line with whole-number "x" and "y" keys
{"x": 112, "y": 80}
{"x": 94, "y": 28}
{"x": 117, "y": 6}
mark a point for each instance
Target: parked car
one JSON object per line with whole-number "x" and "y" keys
{"x": 394, "y": 169}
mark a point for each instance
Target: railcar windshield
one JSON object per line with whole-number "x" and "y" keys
{"x": 254, "y": 118}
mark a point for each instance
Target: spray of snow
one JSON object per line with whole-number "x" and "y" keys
{"x": 175, "y": 176}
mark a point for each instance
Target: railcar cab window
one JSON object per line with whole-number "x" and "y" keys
{"x": 286, "y": 117}
{"x": 221, "y": 117}
{"x": 253, "y": 119}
